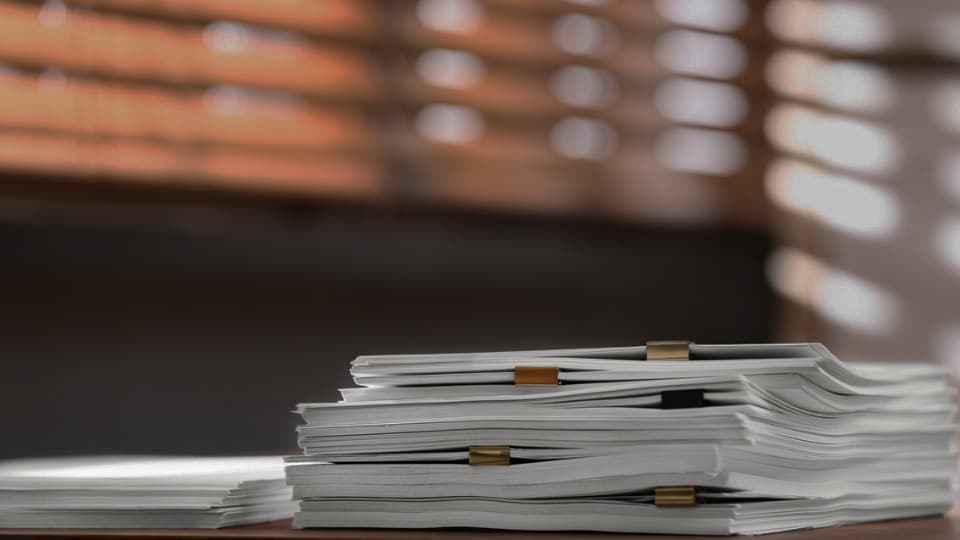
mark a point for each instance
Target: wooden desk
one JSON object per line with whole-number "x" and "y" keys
{"x": 912, "y": 529}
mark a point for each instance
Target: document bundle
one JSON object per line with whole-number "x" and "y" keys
{"x": 142, "y": 492}
{"x": 670, "y": 437}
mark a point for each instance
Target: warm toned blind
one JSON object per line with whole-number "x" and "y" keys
{"x": 620, "y": 108}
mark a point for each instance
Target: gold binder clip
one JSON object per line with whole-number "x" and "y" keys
{"x": 536, "y": 376}
{"x": 675, "y": 496}
{"x": 668, "y": 350}
{"x": 489, "y": 455}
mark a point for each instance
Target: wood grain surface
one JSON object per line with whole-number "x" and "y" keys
{"x": 913, "y": 529}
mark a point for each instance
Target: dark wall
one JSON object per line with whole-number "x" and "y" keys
{"x": 151, "y": 340}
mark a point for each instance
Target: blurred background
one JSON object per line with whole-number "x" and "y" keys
{"x": 209, "y": 207}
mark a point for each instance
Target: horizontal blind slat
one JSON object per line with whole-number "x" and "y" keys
{"x": 92, "y": 108}
{"x": 118, "y": 46}
{"x": 350, "y": 19}
{"x": 233, "y": 169}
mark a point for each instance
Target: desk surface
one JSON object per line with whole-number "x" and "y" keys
{"x": 914, "y": 529}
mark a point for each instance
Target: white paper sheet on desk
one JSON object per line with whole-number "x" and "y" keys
{"x": 142, "y": 491}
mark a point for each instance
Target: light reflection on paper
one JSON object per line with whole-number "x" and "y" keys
{"x": 115, "y": 467}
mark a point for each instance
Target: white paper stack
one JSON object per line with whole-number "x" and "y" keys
{"x": 142, "y": 492}
{"x": 745, "y": 439}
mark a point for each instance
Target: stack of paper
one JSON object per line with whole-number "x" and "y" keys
{"x": 670, "y": 438}
{"x": 142, "y": 492}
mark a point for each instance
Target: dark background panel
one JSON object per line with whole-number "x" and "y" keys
{"x": 118, "y": 339}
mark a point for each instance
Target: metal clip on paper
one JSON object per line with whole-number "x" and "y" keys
{"x": 536, "y": 376}
{"x": 675, "y": 496}
{"x": 489, "y": 455}
{"x": 674, "y": 351}
{"x": 668, "y": 350}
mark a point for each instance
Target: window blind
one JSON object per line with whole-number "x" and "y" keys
{"x": 649, "y": 110}
{"x": 865, "y": 180}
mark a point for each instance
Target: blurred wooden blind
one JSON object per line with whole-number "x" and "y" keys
{"x": 865, "y": 182}
{"x": 621, "y": 108}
